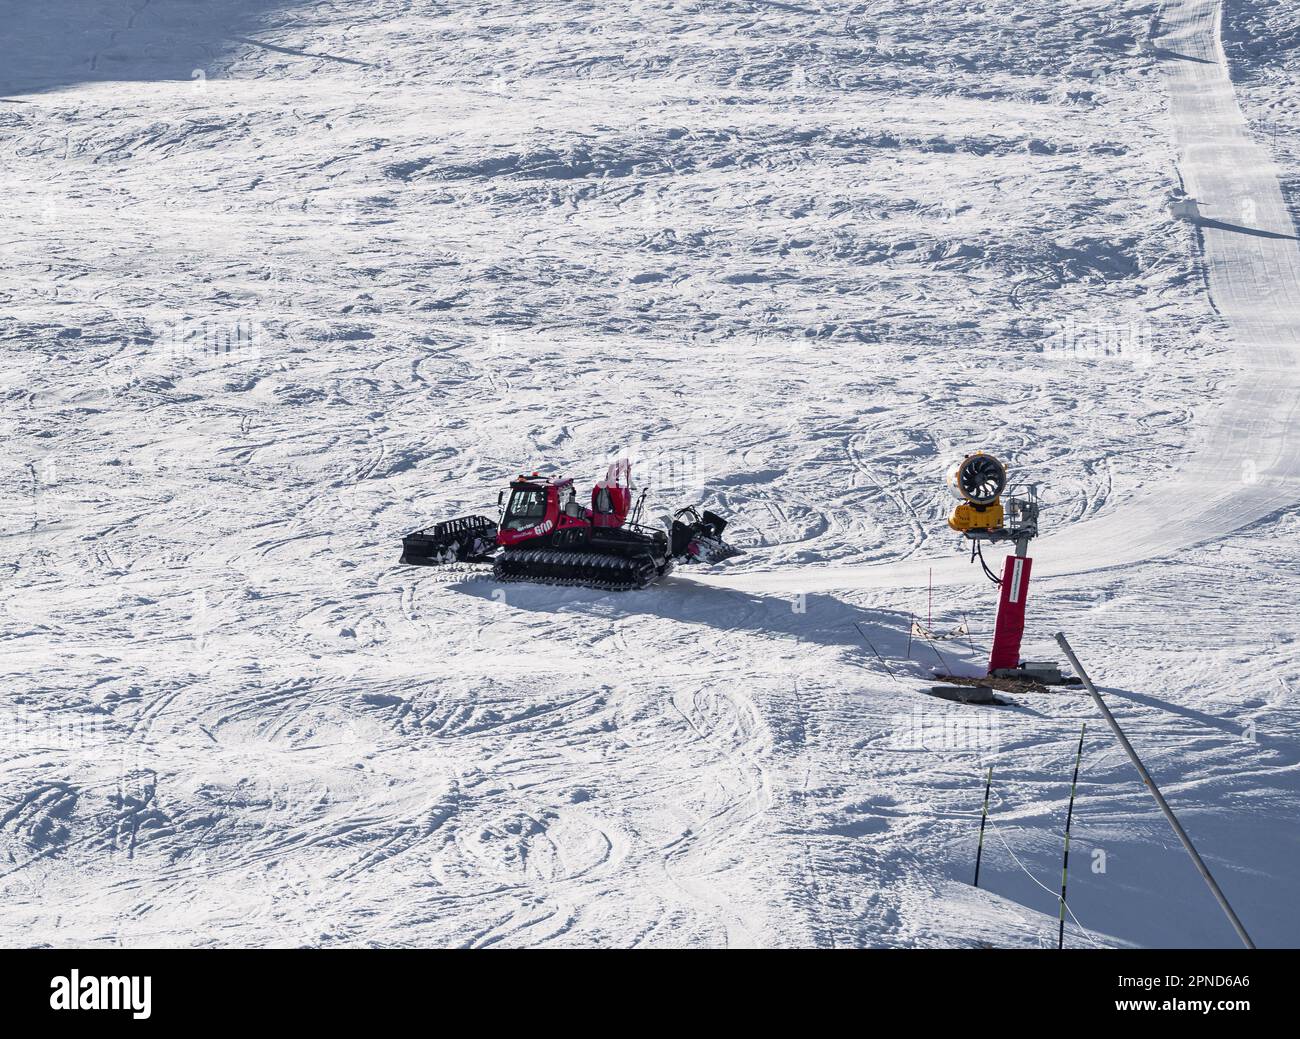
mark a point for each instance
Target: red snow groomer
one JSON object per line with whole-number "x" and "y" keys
{"x": 546, "y": 535}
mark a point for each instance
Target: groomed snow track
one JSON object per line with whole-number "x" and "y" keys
{"x": 1244, "y": 465}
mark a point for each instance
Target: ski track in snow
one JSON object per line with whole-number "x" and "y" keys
{"x": 798, "y": 259}
{"x": 1248, "y": 456}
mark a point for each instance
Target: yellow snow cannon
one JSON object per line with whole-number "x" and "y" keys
{"x": 977, "y": 481}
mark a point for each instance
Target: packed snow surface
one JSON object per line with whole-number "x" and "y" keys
{"x": 284, "y": 280}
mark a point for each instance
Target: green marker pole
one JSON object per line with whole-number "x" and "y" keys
{"x": 979, "y": 853}
{"x": 1069, "y": 816}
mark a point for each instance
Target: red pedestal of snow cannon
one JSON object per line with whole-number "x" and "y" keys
{"x": 1010, "y": 628}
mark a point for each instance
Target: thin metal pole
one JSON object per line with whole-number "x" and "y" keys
{"x": 874, "y": 650}
{"x": 1069, "y": 817}
{"x": 1201, "y": 868}
{"x": 979, "y": 852}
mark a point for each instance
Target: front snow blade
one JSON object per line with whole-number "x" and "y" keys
{"x": 467, "y": 539}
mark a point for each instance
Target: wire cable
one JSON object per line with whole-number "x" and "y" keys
{"x": 978, "y": 550}
{"x": 1055, "y": 894}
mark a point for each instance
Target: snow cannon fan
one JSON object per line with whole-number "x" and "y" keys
{"x": 977, "y": 481}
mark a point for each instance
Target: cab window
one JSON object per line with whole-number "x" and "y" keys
{"x": 526, "y": 509}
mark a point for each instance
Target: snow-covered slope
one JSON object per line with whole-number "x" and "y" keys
{"x": 283, "y": 280}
